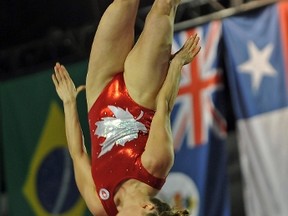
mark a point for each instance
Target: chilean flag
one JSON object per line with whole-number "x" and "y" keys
{"x": 256, "y": 57}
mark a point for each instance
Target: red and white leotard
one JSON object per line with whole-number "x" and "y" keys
{"x": 119, "y": 129}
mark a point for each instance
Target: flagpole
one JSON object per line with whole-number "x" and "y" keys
{"x": 180, "y": 26}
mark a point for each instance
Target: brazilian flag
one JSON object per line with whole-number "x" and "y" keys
{"x": 38, "y": 169}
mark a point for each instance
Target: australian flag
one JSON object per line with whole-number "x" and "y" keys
{"x": 257, "y": 58}
{"x": 198, "y": 180}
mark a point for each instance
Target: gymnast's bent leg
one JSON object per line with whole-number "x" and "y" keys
{"x": 149, "y": 59}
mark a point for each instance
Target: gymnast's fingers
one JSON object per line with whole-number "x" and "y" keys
{"x": 55, "y": 81}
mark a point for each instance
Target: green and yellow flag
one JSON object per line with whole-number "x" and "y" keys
{"x": 38, "y": 168}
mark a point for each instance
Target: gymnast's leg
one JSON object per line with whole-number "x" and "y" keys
{"x": 113, "y": 41}
{"x": 148, "y": 61}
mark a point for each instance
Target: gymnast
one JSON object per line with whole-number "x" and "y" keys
{"x": 130, "y": 93}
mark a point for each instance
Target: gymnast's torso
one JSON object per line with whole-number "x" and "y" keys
{"x": 119, "y": 129}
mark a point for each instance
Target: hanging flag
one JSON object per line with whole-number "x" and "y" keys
{"x": 256, "y": 58}
{"x": 198, "y": 180}
{"x": 38, "y": 168}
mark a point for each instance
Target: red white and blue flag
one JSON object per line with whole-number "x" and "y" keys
{"x": 198, "y": 179}
{"x": 257, "y": 57}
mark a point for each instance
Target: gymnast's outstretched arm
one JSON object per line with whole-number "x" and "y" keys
{"x": 158, "y": 156}
{"x": 67, "y": 92}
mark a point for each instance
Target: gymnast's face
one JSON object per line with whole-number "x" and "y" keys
{"x": 141, "y": 210}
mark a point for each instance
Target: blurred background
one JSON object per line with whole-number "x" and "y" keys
{"x": 36, "y": 34}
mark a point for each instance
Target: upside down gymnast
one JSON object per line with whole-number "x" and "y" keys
{"x": 130, "y": 94}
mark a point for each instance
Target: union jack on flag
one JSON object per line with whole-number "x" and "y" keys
{"x": 195, "y": 111}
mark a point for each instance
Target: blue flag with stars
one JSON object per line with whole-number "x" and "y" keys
{"x": 256, "y": 58}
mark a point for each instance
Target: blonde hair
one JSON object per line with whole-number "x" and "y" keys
{"x": 163, "y": 209}
{"x": 175, "y": 213}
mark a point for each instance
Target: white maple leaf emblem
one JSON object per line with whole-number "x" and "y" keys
{"x": 118, "y": 130}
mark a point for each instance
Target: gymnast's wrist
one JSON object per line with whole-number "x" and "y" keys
{"x": 178, "y": 60}
{"x": 69, "y": 102}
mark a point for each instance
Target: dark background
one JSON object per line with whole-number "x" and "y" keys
{"x": 36, "y": 33}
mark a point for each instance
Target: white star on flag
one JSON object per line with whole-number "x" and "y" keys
{"x": 258, "y": 65}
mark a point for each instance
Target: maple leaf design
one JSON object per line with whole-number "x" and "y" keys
{"x": 118, "y": 130}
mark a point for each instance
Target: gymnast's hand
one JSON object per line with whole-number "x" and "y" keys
{"x": 64, "y": 85}
{"x": 189, "y": 50}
